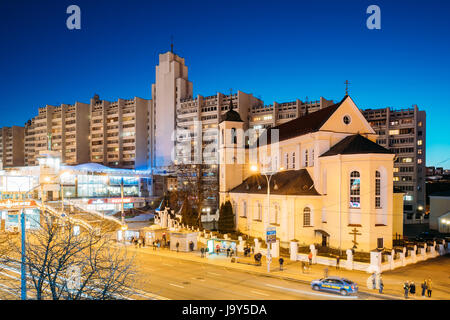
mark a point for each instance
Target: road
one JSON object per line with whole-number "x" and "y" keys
{"x": 179, "y": 279}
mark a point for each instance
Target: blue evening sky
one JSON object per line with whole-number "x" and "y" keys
{"x": 277, "y": 50}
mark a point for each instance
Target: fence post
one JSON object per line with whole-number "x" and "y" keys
{"x": 375, "y": 261}
{"x": 257, "y": 246}
{"x": 314, "y": 252}
{"x": 349, "y": 264}
{"x": 391, "y": 261}
{"x": 293, "y": 250}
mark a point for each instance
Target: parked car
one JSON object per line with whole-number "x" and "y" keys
{"x": 427, "y": 235}
{"x": 335, "y": 284}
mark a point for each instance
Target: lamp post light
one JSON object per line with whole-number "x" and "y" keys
{"x": 23, "y": 270}
{"x": 268, "y": 175}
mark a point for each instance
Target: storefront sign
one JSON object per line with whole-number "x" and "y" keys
{"x": 110, "y": 200}
{"x": 17, "y": 204}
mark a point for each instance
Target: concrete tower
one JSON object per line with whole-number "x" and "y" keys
{"x": 170, "y": 87}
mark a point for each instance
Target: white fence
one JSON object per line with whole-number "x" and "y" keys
{"x": 394, "y": 260}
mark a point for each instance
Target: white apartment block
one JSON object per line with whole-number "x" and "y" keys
{"x": 12, "y": 146}
{"x": 119, "y": 132}
{"x": 170, "y": 87}
{"x": 63, "y": 128}
{"x": 266, "y": 116}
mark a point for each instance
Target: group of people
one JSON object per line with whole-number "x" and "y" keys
{"x": 376, "y": 282}
{"x": 138, "y": 241}
{"x": 157, "y": 244}
{"x": 410, "y": 288}
{"x": 248, "y": 251}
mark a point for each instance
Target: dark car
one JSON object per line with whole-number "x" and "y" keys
{"x": 427, "y": 235}
{"x": 335, "y": 284}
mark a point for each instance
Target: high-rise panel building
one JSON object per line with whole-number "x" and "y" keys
{"x": 12, "y": 146}
{"x": 170, "y": 87}
{"x": 119, "y": 132}
{"x": 63, "y": 128}
{"x": 404, "y": 133}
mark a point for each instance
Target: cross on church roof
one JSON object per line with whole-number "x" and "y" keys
{"x": 346, "y": 87}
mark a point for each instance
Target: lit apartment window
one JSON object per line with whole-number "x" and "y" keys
{"x": 407, "y": 160}
{"x": 393, "y": 132}
{"x": 419, "y": 161}
{"x": 395, "y": 169}
{"x": 396, "y": 179}
{"x": 419, "y": 123}
{"x": 419, "y": 151}
{"x": 407, "y": 198}
{"x": 419, "y": 142}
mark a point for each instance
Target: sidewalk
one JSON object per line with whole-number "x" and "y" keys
{"x": 292, "y": 272}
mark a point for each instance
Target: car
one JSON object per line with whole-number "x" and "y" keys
{"x": 335, "y": 284}
{"x": 427, "y": 235}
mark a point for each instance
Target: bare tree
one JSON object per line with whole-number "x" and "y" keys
{"x": 192, "y": 188}
{"x": 63, "y": 263}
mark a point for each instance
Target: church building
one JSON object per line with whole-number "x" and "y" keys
{"x": 330, "y": 183}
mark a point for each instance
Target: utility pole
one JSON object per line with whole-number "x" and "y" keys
{"x": 122, "y": 211}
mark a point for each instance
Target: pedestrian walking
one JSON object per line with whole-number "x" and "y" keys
{"x": 217, "y": 249}
{"x": 325, "y": 272}
{"x": 177, "y": 245}
{"x": 310, "y": 258}
{"x": 374, "y": 280}
{"x": 154, "y": 245}
{"x": 338, "y": 258}
{"x": 303, "y": 266}
{"x": 424, "y": 287}
{"x": 228, "y": 252}
{"x": 412, "y": 288}
{"x": 429, "y": 288}
{"x": 281, "y": 261}
{"x": 381, "y": 286}
{"x": 143, "y": 241}
{"x": 158, "y": 244}
{"x": 202, "y": 251}
{"x": 406, "y": 289}
{"x": 140, "y": 242}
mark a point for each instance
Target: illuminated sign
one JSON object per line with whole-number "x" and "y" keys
{"x": 119, "y": 200}
{"x": 16, "y": 204}
{"x": 110, "y": 200}
{"x": 271, "y": 235}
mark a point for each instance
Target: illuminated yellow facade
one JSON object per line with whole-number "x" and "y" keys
{"x": 329, "y": 180}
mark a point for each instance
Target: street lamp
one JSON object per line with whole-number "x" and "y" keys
{"x": 268, "y": 175}
{"x": 23, "y": 271}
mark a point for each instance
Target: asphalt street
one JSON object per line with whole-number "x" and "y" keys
{"x": 178, "y": 279}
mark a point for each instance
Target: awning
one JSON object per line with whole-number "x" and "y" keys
{"x": 322, "y": 232}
